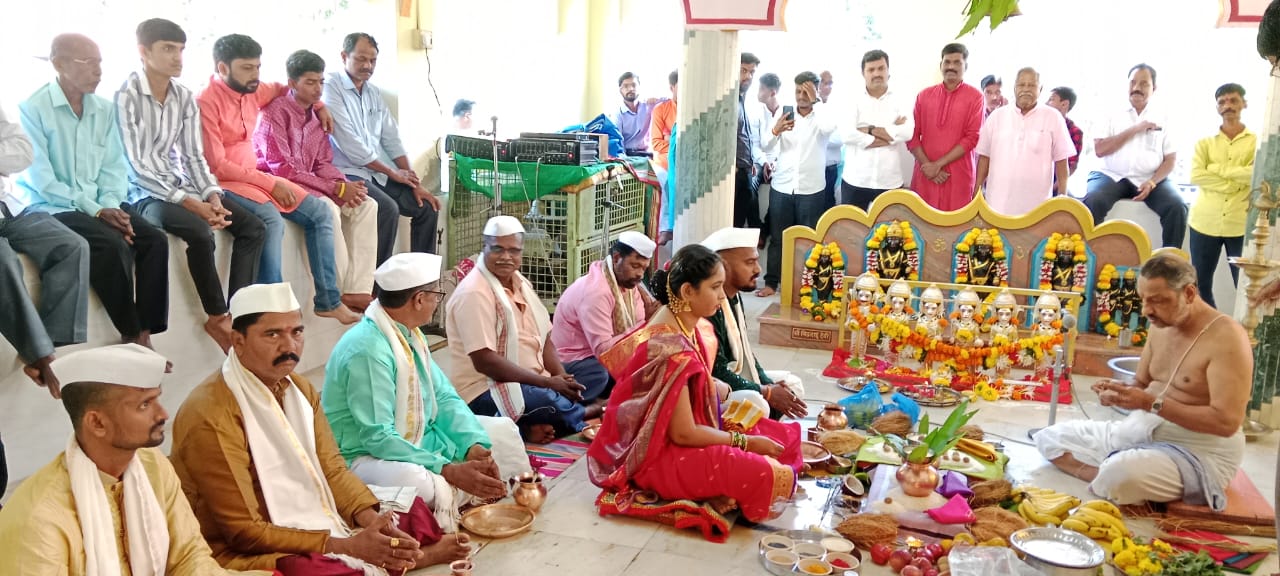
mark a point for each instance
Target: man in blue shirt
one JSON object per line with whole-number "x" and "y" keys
{"x": 366, "y": 145}
{"x": 78, "y": 174}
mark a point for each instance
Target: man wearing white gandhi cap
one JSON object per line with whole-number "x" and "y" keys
{"x": 266, "y": 480}
{"x": 397, "y": 419}
{"x": 503, "y": 361}
{"x": 598, "y": 309}
{"x": 111, "y": 503}
{"x": 735, "y": 364}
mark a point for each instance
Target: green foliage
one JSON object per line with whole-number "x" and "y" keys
{"x": 942, "y": 438}
{"x": 997, "y": 10}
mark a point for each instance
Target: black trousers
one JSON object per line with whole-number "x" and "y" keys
{"x": 394, "y": 200}
{"x": 859, "y": 196}
{"x": 249, "y": 235}
{"x": 746, "y": 205}
{"x": 1205, "y": 251}
{"x": 1163, "y": 200}
{"x": 832, "y": 175}
{"x": 132, "y": 281}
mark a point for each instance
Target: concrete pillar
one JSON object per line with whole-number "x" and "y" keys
{"x": 707, "y": 124}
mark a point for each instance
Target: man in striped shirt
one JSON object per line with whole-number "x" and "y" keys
{"x": 169, "y": 182}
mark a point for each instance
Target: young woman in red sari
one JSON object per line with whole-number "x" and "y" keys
{"x": 662, "y": 430}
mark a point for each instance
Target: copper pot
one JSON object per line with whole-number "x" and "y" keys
{"x": 529, "y": 491}
{"x": 833, "y": 418}
{"x": 917, "y": 479}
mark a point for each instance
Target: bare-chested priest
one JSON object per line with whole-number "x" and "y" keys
{"x": 111, "y": 503}
{"x": 1183, "y": 440}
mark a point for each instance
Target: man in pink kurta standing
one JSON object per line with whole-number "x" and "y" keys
{"x": 598, "y": 309}
{"x": 1021, "y": 149}
{"x": 948, "y": 117}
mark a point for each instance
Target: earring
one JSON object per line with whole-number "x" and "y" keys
{"x": 678, "y": 305}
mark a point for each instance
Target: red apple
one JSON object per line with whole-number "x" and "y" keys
{"x": 898, "y": 560}
{"x": 936, "y": 551}
{"x": 922, "y": 563}
{"x": 880, "y": 553}
{"x": 931, "y": 572}
{"x": 912, "y": 571}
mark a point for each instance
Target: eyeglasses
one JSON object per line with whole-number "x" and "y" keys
{"x": 435, "y": 295}
{"x": 512, "y": 252}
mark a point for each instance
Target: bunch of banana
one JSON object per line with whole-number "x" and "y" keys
{"x": 1097, "y": 519}
{"x": 1042, "y": 506}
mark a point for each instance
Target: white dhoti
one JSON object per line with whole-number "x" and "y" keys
{"x": 1131, "y": 476}
{"x": 355, "y": 245}
{"x": 443, "y": 499}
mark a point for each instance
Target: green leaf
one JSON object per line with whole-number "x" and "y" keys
{"x": 978, "y": 9}
{"x": 919, "y": 454}
{"x": 924, "y": 424}
{"x": 1000, "y": 10}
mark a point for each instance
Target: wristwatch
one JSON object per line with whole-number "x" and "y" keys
{"x": 1156, "y": 405}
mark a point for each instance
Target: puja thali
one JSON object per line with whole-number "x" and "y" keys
{"x": 497, "y": 520}
{"x": 814, "y": 453}
{"x": 933, "y": 396}
{"x": 856, "y": 383}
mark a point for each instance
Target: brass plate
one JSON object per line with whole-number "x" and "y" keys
{"x": 942, "y": 397}
{"x": 590, "y": 432}
{"x": 855, "y": 384}
{"x": 813, "y": 453}
{"x": 497, "y": 520}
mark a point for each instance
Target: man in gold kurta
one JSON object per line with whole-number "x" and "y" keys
{"x": 70, "y": 517}
{"x": 259, "y": 463}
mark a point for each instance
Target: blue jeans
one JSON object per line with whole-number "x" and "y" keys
{"x": 317, "y": 225}
{"x": 590, "y": 373}
{"x": 541, "y": 406}
{"x": 1164, "y": 201}
{"x": 1205, "y": 250}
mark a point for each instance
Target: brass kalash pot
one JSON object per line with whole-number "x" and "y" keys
{"x": 529, "y": 491}
{"x": 833, "y": 418}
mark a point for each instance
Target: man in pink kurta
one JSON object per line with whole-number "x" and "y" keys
{"x": 229, "y": 109}
{"x": 291, "y": 143}
{"x": 948, "y": 118}
{"x": 1020, "y": 150}
{"x": 599, "y": 308}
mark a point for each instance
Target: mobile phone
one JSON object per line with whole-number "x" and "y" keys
{"x": 789, "y": 112}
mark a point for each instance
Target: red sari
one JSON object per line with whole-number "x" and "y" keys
{"x": 651, "y": 365}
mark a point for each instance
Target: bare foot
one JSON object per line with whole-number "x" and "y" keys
{"x": 219, "y": 328}
{"x": 456, "y": 546}
{"x": 766, "y": 292}
{"x": 357, "y": 302}
{"x": 723, "y": 504}
{"x": 595, "y": 409}
{"x": 341, "y": 314}
{"x": 41, "y": 372}
{"x": 538, "y": 433}
{"x": 1068, "y": 463}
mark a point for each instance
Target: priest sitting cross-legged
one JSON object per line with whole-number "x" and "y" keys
{"x": 598, "y": 309}
{"x": 258, "y": 462}
{"x": 111, "y": 503}
{"x": 397, "y": 419}
{"x": 502, "y": 360}
{"x": 736, "y": 365}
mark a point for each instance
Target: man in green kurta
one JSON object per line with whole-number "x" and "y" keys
{"x": 397, "y": 419}
{"x": 735, "y": 364}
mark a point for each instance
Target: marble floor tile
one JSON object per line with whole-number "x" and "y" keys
{"x": 574, "y": 515}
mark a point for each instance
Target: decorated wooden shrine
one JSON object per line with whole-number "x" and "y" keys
{"x": 963, "y": 281}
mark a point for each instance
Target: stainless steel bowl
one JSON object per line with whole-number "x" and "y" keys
{"x": 1058, "y": 552}
{"x": 1124, "y": 368}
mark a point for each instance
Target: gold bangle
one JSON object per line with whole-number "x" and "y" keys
{"x": 342, "y": 189}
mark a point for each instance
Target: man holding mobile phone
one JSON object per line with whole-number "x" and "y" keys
{"x": 1138, "y": 155}
{"x": 795, "y": 196}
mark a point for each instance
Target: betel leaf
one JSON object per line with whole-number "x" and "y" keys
{"x": 924, "y": 424}
{"x": 919, "y": 454}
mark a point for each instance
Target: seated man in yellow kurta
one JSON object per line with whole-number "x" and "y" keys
{"x": 111, "y": 503}
{"x": 259, "y": 463}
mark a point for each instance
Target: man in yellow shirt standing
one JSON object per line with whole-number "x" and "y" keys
{"x": 1223, "y": 169}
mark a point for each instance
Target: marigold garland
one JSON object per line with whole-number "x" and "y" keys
{"x": 808, "y": 293}
{"x": 997, "y": 253}
{"x": 1080, "y": 272}
{"x": 918, "y": 346}
{"x": 909, "y": 246}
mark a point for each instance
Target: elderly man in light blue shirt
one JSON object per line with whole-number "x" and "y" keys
{"x": 366, "y": 145}
{"x": 78, "y": 174}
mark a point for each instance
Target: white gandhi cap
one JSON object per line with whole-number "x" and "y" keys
{"x": 121, "y": 364}
{"x": 502, "y": 226}
{"x": 407, "y": 270}
{"x": 643, "y": 245}
{"x": 730, "y": 238}
{"x": 262, "y": 298}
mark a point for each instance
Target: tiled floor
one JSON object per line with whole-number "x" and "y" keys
{"x": 569, "y": 538}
